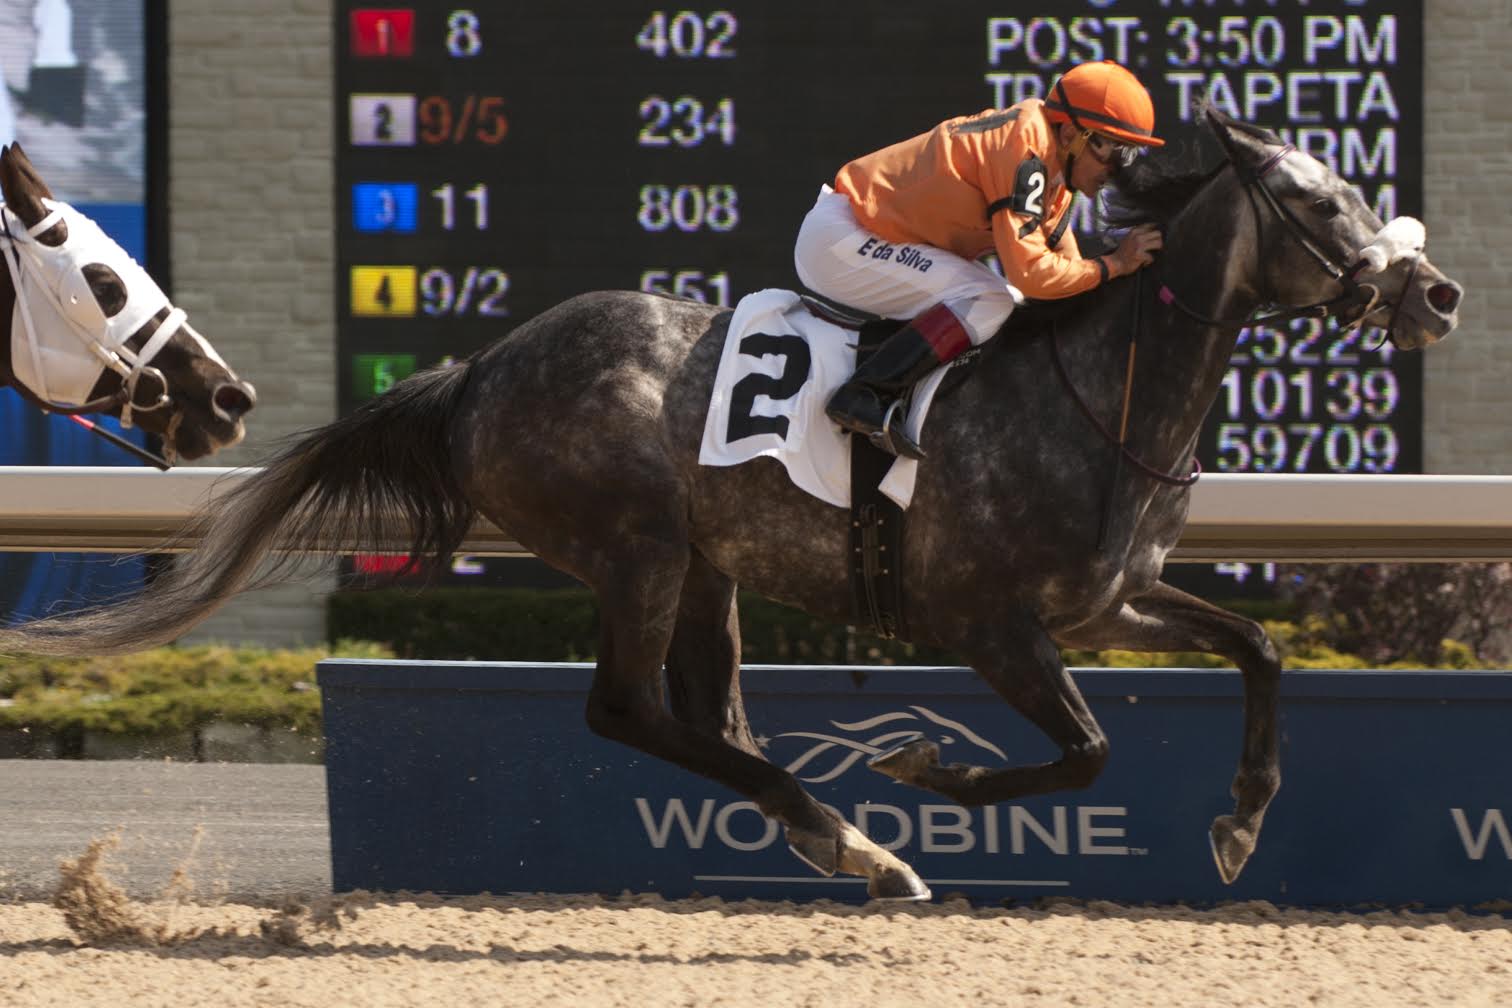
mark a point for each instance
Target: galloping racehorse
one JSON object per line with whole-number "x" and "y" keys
{"x": 580, "y": 432}
{"x": 84, "y": 329}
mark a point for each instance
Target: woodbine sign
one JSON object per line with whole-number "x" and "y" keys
{"x": 474, "y": 777}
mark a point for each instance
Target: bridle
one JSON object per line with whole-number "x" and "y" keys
{"x": 130, "y": 364}
{"x": 1352, "y": 293}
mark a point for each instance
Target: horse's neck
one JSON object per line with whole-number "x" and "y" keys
{"x": 1181, "y": 359}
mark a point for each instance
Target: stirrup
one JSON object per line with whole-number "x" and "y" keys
{"x": 895, "y": 442}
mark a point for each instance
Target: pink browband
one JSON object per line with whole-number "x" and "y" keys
{"x": 1274, "y": 160}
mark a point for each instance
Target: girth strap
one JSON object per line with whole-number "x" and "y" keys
{"x": 876, "y": 526}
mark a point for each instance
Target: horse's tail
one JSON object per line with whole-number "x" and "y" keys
{"x": 383, "y": 472}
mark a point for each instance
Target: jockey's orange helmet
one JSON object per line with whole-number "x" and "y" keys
{"x": 1104, "y": 98}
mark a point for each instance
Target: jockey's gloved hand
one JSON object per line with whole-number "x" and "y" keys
{"x": 1137, "y": 249}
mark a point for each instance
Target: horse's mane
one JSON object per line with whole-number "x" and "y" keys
{"x": 1153, "y": 190}
{"x": 1158, "y": 186}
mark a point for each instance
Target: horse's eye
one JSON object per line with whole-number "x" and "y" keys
{"x": 107, "y": 288}
{"x": 1325, "y": 208}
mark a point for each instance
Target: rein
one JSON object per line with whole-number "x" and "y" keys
{"x": 1121, "y": 443}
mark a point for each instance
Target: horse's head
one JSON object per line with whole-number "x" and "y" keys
{"x": 89, "y": 330}
{"x": 1318, "y": 243}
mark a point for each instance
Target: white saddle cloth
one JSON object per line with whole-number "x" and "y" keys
{"x": 790, "y": 363}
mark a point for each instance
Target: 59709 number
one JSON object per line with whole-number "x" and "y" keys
{"x": 1295, "y": 447}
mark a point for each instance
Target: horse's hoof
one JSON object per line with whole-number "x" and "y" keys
{"x": 893, "y": 886}
{"x": 1232, "y": 846}
{"x": 820, "y": 853}
{"x": 907, "y": 761}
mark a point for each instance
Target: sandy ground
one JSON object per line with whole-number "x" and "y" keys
{"x": 93, "y": 945}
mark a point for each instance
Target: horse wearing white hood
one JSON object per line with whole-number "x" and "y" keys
{"x": 92, "y": 332}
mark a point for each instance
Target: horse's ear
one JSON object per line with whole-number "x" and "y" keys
{"x": 24, "y": 188}
{"x": 1218, "y": 124}
{"x": 1238, "y": 145}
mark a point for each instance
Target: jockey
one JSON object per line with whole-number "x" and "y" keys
{"x": 900, "y": 232}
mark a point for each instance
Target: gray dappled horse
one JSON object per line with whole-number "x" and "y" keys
{"x": 92, "y": 333}
{"x": 580, "y": 431}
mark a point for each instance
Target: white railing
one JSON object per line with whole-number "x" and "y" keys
{"x": 1233, "y": 516}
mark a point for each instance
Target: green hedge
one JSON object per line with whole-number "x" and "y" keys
{"x": 172, "y": 690}
{"x": 561, "y": 624}
{"x": 167, "y": 690}
{"x": 506, "y": 624}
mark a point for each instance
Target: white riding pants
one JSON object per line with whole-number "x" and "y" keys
{"x": 841, "y": 260}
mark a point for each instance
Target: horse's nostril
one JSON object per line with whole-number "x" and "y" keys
{"x": 232, "y": 400}
{"x": 1445, "y": 297}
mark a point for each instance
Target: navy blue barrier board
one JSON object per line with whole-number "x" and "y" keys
{"x": 483, "y": 777}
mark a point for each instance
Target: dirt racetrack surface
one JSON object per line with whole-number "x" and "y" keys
{"x": 93, "y": 945}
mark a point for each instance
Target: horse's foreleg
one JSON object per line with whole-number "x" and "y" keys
{"x": 662, "y": 605}
{"x": 1024, "y": 666}
{"x": 1168, "y": 619}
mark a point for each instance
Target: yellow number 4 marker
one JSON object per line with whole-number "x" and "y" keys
{"x": 383, "y": 291}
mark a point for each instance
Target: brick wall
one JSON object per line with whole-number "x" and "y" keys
{"x": 251, "y": 191}
{"x": 1467, "y": 179}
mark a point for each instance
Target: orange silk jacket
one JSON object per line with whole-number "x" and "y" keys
{"x": 974, "y": 184}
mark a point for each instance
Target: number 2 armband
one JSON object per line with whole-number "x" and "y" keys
{"x": 1028, "y": 195}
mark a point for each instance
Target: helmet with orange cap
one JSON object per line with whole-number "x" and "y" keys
{"x": 1104, "y": 98}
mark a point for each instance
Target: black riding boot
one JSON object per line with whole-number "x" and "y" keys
{"x": 869, "y": 403}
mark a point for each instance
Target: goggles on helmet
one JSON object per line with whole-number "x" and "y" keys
{"x": 1109, "y": 151}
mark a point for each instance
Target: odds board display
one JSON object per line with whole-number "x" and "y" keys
{"x": 495, "y": 160}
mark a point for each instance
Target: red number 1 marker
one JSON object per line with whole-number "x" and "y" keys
{"x": 379, "y": 32}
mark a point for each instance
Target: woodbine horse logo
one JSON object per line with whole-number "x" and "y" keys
{"x": 827, "y": 756}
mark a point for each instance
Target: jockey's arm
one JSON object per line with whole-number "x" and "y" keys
{"x": 1029, "y": 263}
{"x": 1025, "y": 212}
{"x": 1042, "y": 273}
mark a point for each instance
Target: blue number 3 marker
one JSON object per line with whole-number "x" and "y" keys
{"x": 384, "y": 206}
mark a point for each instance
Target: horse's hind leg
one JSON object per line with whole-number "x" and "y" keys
{"x": 703, "y": 662}
{"x": 663, "y": 605}
{"x": 1168, "y": 619}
